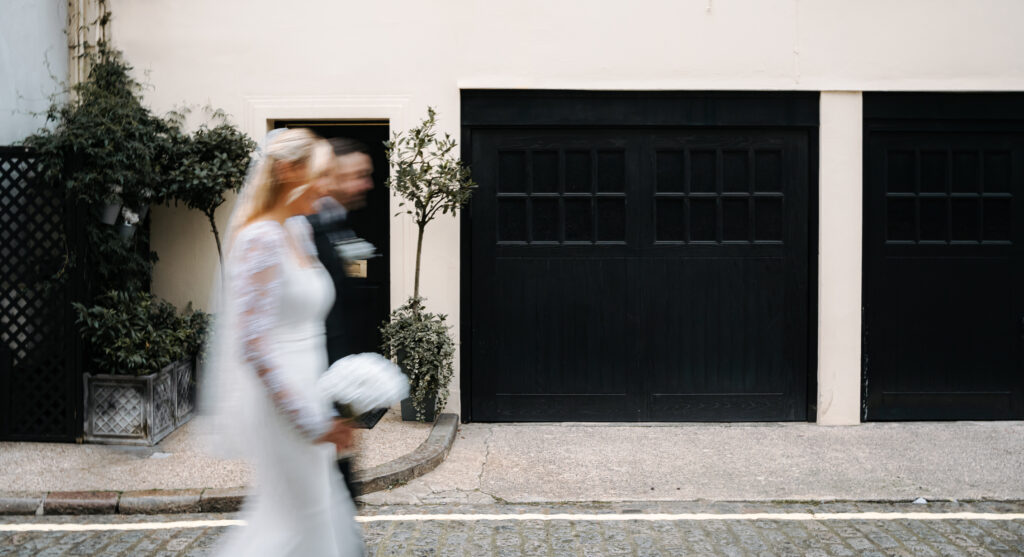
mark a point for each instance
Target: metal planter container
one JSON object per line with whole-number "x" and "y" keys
{"x": 409, "y": 411}
{"x": 125, "y": 231}
{"x": 129, "y": 410}
{"x": 109, "y": 212}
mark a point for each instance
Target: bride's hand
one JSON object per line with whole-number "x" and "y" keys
{"x": 341, "y": 434}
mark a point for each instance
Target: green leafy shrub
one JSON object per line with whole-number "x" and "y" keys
{"x": 420, "y": 343}
{"x": 209, "y": 163}
{"x": 103, "y": 146}
{"x": 135, "y": 333}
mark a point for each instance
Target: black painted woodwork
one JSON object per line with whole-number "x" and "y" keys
{"x": 943, "y": 259}
{"x": 626, "y": 266}
{"x": 366, "y": 299}
{"x": 40, "y": 352}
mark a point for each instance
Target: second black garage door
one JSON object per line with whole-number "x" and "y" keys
{"x": 943, "y": 256}
{"x": 637, "y": 256}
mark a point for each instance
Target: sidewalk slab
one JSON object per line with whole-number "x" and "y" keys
{"x": 162, "y": 470}
{"x": 425, "y": 458}
{"x": 537, "y": 463}
{"x": 181, "y": 461}
{"x": 544, "y": 463}
{"x": 390, "y": 439}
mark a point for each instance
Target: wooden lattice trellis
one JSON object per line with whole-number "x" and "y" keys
{"x": 40, "y": 372}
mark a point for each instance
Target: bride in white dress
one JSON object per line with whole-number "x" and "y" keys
{"x": 268, "y": 352}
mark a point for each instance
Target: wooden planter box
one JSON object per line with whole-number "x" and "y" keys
{"x": 129, "y": 410}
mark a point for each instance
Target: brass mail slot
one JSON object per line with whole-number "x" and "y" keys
{"x": 355, "y": 268}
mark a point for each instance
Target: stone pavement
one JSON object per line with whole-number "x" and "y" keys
{"x": 96, "y": 479}
{"x": 181, "y": 461}
{"x": 524, "y": 463}
{"x": 528, "y": 463}
{"x": 588, "y": 535}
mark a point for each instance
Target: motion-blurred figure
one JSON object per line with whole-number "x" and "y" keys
{"x": 269, "y": 351}
{"x": 350, "y": 180}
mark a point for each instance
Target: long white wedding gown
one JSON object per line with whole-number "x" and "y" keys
{"x": 279, "y": 296}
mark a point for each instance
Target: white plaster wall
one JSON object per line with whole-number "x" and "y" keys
{"x": 236, "y": 54}
{"x": 840, "y": 233}
{"x": 33, "y": 59}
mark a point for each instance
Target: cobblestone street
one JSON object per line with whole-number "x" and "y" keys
{"x": 589, "y": 530}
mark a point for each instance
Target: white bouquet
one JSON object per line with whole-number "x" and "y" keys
{"x": 363, "y": 382}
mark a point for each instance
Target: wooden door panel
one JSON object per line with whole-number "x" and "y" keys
{"x": 942, "y": 266}
{"x": 566, "y": 328}
{"x": 638, "y": 273}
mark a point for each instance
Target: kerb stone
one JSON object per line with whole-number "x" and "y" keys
{"x": 80, "y": 502}
{"x": 160, "y": 501}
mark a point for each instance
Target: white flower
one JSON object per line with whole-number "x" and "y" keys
{"x": 131, "y": 218}
{"x": 364, "y": 382}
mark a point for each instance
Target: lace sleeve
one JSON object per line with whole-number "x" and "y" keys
{"x": 256, "y": 280}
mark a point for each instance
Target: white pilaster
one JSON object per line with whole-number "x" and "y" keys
{"x": 839, "y": 257}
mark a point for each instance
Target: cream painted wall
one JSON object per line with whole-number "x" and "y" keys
{"x": 236, "y": 54}
{"x": 840, "y": 232}
{"x": 33, "y": 59}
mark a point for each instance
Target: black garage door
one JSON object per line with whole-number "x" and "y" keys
{"x": 943, "y": 280}
{"x": 637, "y": 256}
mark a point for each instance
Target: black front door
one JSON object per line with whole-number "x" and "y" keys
{"x": 624, "y": 273}
{"x": 943, "y": 259}
{"x": 366, "y": 297}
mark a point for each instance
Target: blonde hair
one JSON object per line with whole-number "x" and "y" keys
{"x": 321, "y": 163}
{"x": 293, "y": 146}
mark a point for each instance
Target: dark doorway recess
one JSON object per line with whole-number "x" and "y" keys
{"x": 637, "y": 256}
{"x": 368, "y": 299}
{"x": 943, "y": 259}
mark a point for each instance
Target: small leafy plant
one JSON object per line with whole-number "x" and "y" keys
{"x": 135, "y": 333}
{"x": 420, "y": 342}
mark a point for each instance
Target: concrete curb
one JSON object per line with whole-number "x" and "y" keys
{"x": 425, "y": 458}
{"x": 21, "y": 502}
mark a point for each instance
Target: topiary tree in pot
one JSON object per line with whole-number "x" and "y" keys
{"x": 210, "y": 162}
{"x": 431, "y": 181}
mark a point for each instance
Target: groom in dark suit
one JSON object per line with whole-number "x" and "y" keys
{"x": 352, "y": 179}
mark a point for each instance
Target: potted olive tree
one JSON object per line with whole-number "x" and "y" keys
{"x": 143, "y": 352}
{"x": 431, "y": 181}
